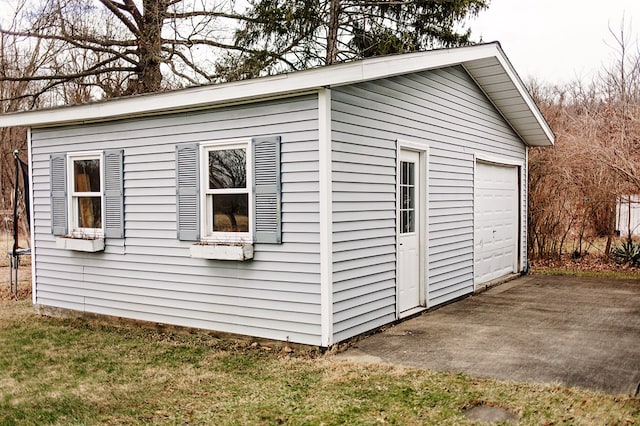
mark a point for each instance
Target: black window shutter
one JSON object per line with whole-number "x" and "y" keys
{"x": 58, "y": 173}
{"x": 187, "y": 197}
{"x": 266, "y": 180}
{"x": 114, "y": 193}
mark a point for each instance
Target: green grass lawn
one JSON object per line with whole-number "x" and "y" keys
{"x": 62, "y": 371}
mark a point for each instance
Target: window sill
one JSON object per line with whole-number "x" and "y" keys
{"x": 80, "y": 244}
{"x": 239, "y": 252}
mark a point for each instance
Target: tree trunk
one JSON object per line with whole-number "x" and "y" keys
{"x": 332, "y": 32}
{"x": 611, "y": 219}
{"x": 150, "y": 47}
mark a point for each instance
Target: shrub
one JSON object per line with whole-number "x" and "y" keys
{"x": 627, "y": 252}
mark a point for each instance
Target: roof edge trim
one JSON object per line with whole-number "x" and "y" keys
{"x": 278, "y": 86}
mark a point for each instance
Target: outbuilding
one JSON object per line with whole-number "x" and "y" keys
{"x": 628, "y": 215}
{"x": 307, "y": 207}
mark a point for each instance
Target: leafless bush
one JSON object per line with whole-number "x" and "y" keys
{"x": 573, "y": 187}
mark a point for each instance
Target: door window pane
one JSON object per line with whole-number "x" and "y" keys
{"x": 408, "y": 222}
{"x": 230, "y": 212}
{"x": 409, "y": 173}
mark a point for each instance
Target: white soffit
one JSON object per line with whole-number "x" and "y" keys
{"x": 503, "y": 86}
{"x": 486, "y": 63}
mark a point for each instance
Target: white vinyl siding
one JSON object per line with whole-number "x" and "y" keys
{"x": 445, "y": 110}
{"x": 364, "y": 185}
{"x": 149, "y": 275}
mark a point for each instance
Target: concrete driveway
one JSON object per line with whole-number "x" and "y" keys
{"x": 576, "y": 331}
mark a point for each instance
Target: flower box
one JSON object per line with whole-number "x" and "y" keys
{"x": 238, "y": 252}
{"x": 80, "y": 244}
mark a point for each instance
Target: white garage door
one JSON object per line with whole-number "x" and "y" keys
{"x": 496, "y": 221}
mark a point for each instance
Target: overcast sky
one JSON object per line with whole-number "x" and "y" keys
{"x": 556, "y": 41}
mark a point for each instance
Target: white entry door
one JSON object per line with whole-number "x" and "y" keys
{"x": 409, "y": 238}
{"x": 496, "y": 221}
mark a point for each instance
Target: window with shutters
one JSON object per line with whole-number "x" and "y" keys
{"x": 226, "y": 199}
{"x": 228, "y": 194}
{"x": 87, "y": 198}
{"x": 86, "y": 195}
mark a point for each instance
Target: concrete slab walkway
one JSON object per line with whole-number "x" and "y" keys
{"x": 550, "y": 329}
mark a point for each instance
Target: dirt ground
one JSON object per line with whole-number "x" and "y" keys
{"x": 593, "y": 262}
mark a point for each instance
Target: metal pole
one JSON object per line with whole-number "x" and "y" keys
{"x": 14, "y": 253}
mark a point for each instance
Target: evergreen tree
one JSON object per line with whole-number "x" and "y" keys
{"x": 281, "y": 35}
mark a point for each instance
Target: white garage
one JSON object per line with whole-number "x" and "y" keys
{"x": 362, "y": 193}
{"x": 496, "y": 221}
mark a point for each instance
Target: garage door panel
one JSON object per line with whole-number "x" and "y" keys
{"x": 496, "y": 221}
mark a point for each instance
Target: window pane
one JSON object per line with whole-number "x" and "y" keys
{"x": 407, "y": 197}
{"x": 409, "y": 223}
{"x": 228, "y": 168}
{"x": 404, "y": 200}
{"x": 231, "y": 212}
{"x": 89, "y": 212}
{"x": 410, "y": 174}
{"x": 403, "y": 176}
{"x": 86, "y": 175}
{"x": 403, "y": 221}
{"x": 411, "y": 197}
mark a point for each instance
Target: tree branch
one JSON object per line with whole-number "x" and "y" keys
{"x": 115, "y": 8}
{"x": 204, "y": 13}
{"x": 134, "y": 11}
{"x": 70, "y": 37}
{"x": 189, "y": 63}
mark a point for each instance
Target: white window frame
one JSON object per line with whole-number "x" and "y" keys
{"x": 206, "y": 215}
{"x": 74, "y": 230}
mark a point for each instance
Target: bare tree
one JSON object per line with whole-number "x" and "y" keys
{"x": 21, "y": 61}
{"x": 574, "y": 187}
{"x": 620, "y": 133}
{"x": 124, "y": 46}
{"x": 16, "y": 60}
{"x": 551, "y": 191}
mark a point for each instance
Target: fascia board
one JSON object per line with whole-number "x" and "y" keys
{"x": 152, "y": 104}
{"x": 293, "y": 84}
{"x": 524, "y": 94}
{"x": 390, "y": 66}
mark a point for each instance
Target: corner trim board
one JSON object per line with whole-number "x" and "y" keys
{"x": 524, "y": 189}
{"x": 33, "y": 233}
{"x": 326, "y": 219}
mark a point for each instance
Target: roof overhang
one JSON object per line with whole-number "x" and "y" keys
{"x": 486, "y": 63}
